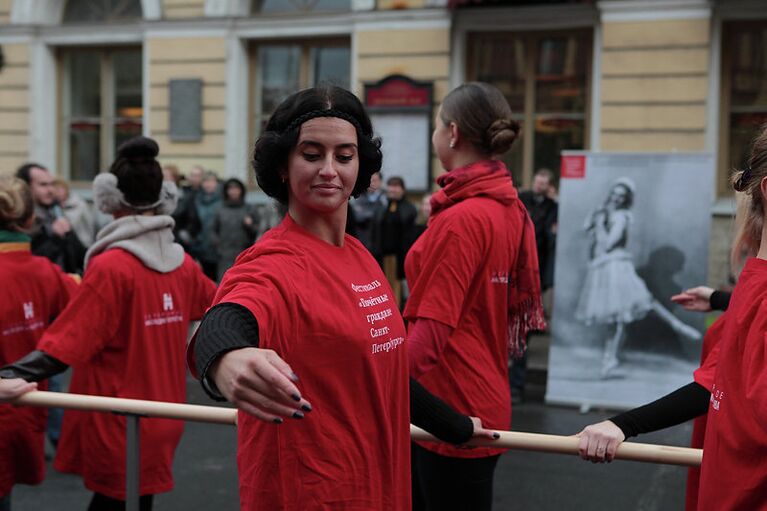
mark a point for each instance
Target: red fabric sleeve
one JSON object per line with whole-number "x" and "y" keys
{"x": 89, "y": 321}
{"x": 426, "y": 341}
{"x": 450, "y": 264}
{"x": 264, "y": 284}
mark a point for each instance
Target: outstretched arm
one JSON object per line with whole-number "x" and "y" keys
{"x": 703, "y": 299}
{"x": 598, "y": 442}
{"x": 35, "y": 366}
{"x": 429, "y": 412}
{"x": 232, "y": 367}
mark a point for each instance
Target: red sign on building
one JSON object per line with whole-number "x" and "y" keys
{"x": 573, "y": 167}
{"x": 398, "y": 92}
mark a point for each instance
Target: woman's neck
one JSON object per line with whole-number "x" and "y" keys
{"x": 330, "y": 227}
{"x": 466, "y": 158}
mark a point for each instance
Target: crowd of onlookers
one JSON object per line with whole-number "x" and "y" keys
{"x": 215, "y": 222}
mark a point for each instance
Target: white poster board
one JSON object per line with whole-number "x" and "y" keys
{"x": 619, "y": 264}
{"x": 405, "y": 145}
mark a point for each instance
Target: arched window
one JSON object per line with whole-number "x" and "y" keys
{"x": 88, "y": 11}
{"x": 288, "y": 6}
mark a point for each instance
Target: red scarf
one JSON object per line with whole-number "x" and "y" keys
{"x": 492, "y": 180}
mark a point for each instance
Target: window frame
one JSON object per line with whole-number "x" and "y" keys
{"x": 255, "y": 77}
{"x": 729, "y": 29}
{"x": 107, "y": 118}
{"x": 528, "y": 116}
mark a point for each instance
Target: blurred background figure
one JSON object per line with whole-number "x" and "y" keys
{"x": 194, "y": 179}
{"x": 77, "y": 211}
{"x": 235, "y": 225}
{"x": 365, "y": 208}
{"x": 543, "y": 211}
{"x": 207, "y": 201}
{"x": 393, "y": 234}
{"x": 270, "y": 215}
{"x": 424, "y": 211}
{"x": 52, "y": 235}
{"x": 171, "y": 172}
{"x": 187, "y": 223}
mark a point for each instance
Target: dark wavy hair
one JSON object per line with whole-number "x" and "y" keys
{"x": 273, "y": 147}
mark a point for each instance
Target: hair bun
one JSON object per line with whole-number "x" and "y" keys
{"x": 139, "y": 148}
{"x": 501, "y": 135}
{"x": 15, "y": 203}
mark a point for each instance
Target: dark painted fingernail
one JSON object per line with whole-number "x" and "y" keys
{"x": 496, "y": 435}
{"x": 306, "y": 408}
{"x": 296, "y": 397}
{"x": 298, "y": 415}
{"x": 277, "y": 420}
{"x": 294, "y": 376}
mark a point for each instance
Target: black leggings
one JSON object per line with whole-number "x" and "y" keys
{"x": 101, "y": 502}
{"x": 442, "y": 483}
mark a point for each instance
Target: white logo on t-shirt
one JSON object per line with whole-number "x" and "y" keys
{"x": 28, "y": 325}
{"x": 167, "y": 302}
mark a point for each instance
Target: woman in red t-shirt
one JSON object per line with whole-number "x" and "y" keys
{"x": 310, "y": 294}
{"x": 730, "y": 387}
{"x": 475, "y": 292}
{"x": 125, "y": 332}
{"x": 34, "y": 292}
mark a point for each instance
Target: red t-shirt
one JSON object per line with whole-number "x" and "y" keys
{"x": 34, "y": 292}
{"x": 734, "y": 470}
{"x": 704, "y": 376}
{"x": 125, "y": 334}
{"x": 458, "y": 272}
{"x": 329, "y": 313}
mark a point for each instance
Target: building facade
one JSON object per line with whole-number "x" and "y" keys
{"x": 202, "y": 76}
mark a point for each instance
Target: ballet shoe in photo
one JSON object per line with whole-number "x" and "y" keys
{"x": 609, "y": 365}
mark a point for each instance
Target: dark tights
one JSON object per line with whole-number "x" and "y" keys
{"x": 442, "y": 483}
{"x": 101, "y": 502}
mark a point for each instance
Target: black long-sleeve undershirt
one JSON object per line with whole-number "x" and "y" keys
{"x": 719, "y": 300}
{"x": 34, "y": 366}
{"x": 679, "y": 406}
{"x": 230, "y": 326}
{"x": 682, "y": 405}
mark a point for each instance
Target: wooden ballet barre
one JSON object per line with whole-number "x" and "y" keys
{"x": 633, "y": 451}
{"x": 143, "y": 408}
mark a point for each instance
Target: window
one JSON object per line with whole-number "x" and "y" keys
{"x": 744, "y": 95}
{"x": 282, "y": 68}
{"x": 101, "y": 107}
{"x": 296, "y": 6}
{"x": 545, "y": 77}
{"x": 89, "y": 11}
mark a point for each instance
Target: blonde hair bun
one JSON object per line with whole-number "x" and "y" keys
{"x": 16, "y": 206}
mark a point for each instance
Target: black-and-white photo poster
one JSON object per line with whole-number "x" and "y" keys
{"x": 633, "y": 231}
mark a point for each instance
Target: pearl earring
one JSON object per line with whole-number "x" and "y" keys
{"x": 452, "y": 144}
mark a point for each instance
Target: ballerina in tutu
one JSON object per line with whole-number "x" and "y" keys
{"x": 613, "y": 293}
